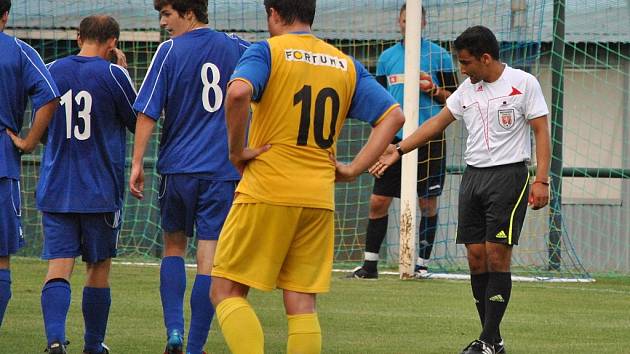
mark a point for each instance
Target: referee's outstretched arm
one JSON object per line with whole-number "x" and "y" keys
{"x": 432, "y": 127}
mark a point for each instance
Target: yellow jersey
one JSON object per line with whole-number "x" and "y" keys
{"x": 303, "y": 90}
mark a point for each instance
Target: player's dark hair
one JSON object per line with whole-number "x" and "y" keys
{"x": 198, "y": 7}
{"x": 5, "y": 6}
{"x": 478, "y": 40}
{"x": 100, "y": 28}
{"x": 292, "y": 10}
{"x": 404, "y": 8}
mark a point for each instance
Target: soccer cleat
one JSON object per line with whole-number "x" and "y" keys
{"x": 499, "y": 348}
{"x": 421, "y": 272}
{"x": 175, "y": 343}
{"x": 361, "y": 273}
{"x": 56, "y": 347}
{"x": 478, "y": 347}
{"x": 104, "y": 351}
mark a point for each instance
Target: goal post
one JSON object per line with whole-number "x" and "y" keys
{"x": 409, "y": 175}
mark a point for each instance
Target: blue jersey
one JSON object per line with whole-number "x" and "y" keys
{"x": 83, "y": 168}
{"x": 22, "y": 74}
{"x": 188, "y": 79}
{"x": 434, "y": 59}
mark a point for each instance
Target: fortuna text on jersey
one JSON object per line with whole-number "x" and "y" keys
{"x": 316, "y": 58}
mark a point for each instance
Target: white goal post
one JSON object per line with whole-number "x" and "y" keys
{"x": 409, "y": 175}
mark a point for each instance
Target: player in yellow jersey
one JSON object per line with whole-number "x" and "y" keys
{"x": 280, "y": 232}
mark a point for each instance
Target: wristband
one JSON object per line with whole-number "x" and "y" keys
{"x": 546, "y": 183}
{"x": 399, "y": 150}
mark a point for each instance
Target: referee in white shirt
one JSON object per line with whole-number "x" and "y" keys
{"x": 498, "y": 105}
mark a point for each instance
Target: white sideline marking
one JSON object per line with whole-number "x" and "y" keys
{"x": 444, "y": 276}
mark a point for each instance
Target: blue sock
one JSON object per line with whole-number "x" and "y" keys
{"x": 201, "y": 312}
{"x": 55, "y": 305}
{"x": 96, "y": 302}
{"x": 172, "y": 289}
{"x": 5, "y": 291}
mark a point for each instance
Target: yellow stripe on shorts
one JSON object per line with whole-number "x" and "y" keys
{"x": 518, "y": 202}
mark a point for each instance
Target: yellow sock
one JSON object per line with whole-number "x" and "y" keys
{"x": 305, "y": 335}
{"x": 240, "y": 326}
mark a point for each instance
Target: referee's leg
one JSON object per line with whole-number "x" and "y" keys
{"x": 498, "y": 290}
{"x": 476, "y": 253}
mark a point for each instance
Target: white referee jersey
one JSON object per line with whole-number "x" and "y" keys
{"x": 496, "y": 115}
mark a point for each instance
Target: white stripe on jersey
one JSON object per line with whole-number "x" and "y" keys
{"x": 236, "y": 38}
{"x": 159, "y": 71}
{"x": 124, "y": 71}
{"x": 49, "y": 65}
{"x": 17, "y": 41}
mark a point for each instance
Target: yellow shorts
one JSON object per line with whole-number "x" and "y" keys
{"x": 265, "y": 246}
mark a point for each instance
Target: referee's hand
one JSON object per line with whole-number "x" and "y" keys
{"x": 538, "y": 195}
{"x": 389, "y": 157}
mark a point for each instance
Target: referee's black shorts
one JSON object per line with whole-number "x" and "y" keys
{"x": 492, "y": 204}
{"x": 431, "y": 172}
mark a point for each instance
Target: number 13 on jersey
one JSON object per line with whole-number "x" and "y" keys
{"x": 82, "y": 98}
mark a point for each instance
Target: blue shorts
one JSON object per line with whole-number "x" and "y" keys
{"x": 94, "y": 236}
{"x": 188, "y": 202}
{"x": 11, "y": 238}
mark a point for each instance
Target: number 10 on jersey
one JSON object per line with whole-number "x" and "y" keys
{"x": 304, "y": 97}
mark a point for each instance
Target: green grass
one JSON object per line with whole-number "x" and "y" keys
{"x": 384, "y": 316}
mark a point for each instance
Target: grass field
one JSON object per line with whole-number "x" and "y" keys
{"x": 384, "y": 316}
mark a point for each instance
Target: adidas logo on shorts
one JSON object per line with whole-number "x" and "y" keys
{"x": 497, "y": 298}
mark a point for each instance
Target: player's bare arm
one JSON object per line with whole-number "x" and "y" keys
{"x": 420, "y": 137}
{"x": 539, "y": 191}
{"x": 378, "y": 140}
{"x": 144, "y": 129}
{"x": 236, "y": 114}
{"x": 119, "y": 55}
{"x": 40, "y": 124}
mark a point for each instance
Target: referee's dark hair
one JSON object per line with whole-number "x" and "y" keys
{"x": 198, "y": 7}
{"x": 5, "y": 6}
{"x": 99, "y": 28}
{"x": 292, "y": 10}
{"x": 478, "y": 40}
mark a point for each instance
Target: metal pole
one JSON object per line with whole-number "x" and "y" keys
{"x": 557, "y": 106}
{"x": 409, "y": 175}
